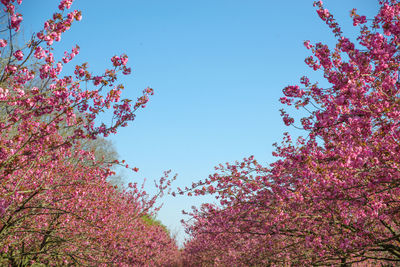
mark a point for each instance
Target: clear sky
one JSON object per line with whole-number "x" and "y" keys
{"x": 218, "y": 68}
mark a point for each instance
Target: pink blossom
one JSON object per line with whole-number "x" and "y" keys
{"x": 65, "y": 4}
{"x": 307, "y": 44}
{"x": 16, "y": 21}
{"x": 18, "y": 55}
{"x": 3, "y": 43}
{"x": 323, "y": 13}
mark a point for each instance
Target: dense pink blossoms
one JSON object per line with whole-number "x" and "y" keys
{"x": 333, "y": 197}
{"x": 56, "y": 207}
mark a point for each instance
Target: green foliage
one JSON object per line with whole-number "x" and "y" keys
{"x": 149, "y": 220}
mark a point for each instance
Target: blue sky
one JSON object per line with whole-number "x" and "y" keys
{"x": 217, "y": 67}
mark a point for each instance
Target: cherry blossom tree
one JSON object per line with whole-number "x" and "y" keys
{"x": 56, "y": 206}
{"x": 331, "y": 198}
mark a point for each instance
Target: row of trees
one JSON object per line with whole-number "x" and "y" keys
{"x": 56, "y": 205}
{"x": 333, "y": 197}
